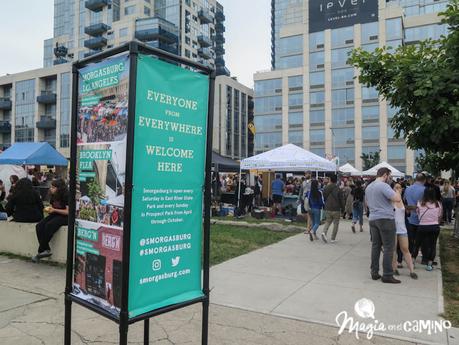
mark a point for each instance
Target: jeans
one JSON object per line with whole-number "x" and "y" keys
{"x": 448, "y": 204}
{"x": 315, "y": 215}
{"x": 357, "y": 212}
{"x": 382, "y": 235}
{"x": 332, "y": 217}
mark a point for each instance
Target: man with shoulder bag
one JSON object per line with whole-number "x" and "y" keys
{"x": 333, "y": 207}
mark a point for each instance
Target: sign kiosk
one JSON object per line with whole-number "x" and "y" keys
{"x": 140, "y": 176}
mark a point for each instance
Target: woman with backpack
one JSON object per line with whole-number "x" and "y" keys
{"x": 316, "y": 204}
{"x": 430, "y": 212}
{"x": 358, "y": 194}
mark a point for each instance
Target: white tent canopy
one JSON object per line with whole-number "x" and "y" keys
{"x": 374, "y": 170}
{"x": 349, "y": 169}
{"x": 288, "y": 158}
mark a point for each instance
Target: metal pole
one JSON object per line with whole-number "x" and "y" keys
{"x": 146, "y": 332}
{"x": 72, "y": 206}
{"x": 239, "y": 187}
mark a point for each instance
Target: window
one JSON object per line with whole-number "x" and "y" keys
{"x": 295, "y": 120}
{"x": 317, "y": 136}
{"x": 290, "y": 45}
{"x": 268, "y": 87}
{"x": 370, "y": 114}
{"x": 342, "y": 97}
{"x": 370, "y": 32}
{"x": 370, "y": 133}
{"x": 345, "y": 154}
{"x": 317, "y": 117}
{"x": 391, "y": 111}
{"x": 391, "y": 134}
{"x": 295, "y": 101}
{"x": 268, "y": 123}
{"x": 369, "y": 94}
{"x": 317, "y": 98}
{"x": 317, "y": 79}
{"x": 129, "y": 10}
{"x": 394, "y": 29}
{"x": 316, "y": 41}
{"x": 371, "y": 47}
{"x": 339, "y": 57}
{"x": 370, "y": 149}
{"x": 316, "y": 61}
{"x": 342, "y": 36}
{"x": 343, "y": 136}
{"x": 295, "y": 83}
{"x": 318, "y": 151}
{"x": 187, "y": 53}
{"x": 146, "y": 11}
{"x": 342, "y": 116}
{"x": 433, "y": 31}
{"x": 268, "y": 104}
{"x": 396, "y": 152}
{"x": 266, "y": 141}
{"x": 292, "y": 61}
{"x": 342, "y": 77}
{"x": 296, "y": 138}
{"x": 123, "y": 32}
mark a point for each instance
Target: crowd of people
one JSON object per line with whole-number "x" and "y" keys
{"x": 24, "y": 204}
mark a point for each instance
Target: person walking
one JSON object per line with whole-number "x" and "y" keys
{"x": 448, "y": 200}
{"x": 57, "y": 217}
{"x": 316, "y": 204}
{"x": 402, "y": 236}
{"x": 379, "y": 197}
{"x": 303, "y": 199}
{"x": 413, "y": 194}
{"x": 333, "y": 207}
{"x": 277, "y": 190}
{"x": 358, "y": 194}
{"x": 430, "y": 213}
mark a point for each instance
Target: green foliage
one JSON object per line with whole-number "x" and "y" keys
{"x": 422, "y": 82}
{"x": 370, "y": 159}
{"x": 95, "y": 192}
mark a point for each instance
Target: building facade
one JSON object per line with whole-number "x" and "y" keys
{"x": 36, "y": 105}
{"x": 311, "y": 97}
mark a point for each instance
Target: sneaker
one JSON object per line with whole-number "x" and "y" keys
{"x": 353, "y": 228}
{"x": 324, "y": 237}
{"x": 413, "y": 275}
{"x": 310, "y": 237}
{"x": 390, "y": 280}
{"x": 44, "y": 254}
{"x": 35, "y": 259}
{"x": 429, "y": 268}
{"x": 332, "y": 241}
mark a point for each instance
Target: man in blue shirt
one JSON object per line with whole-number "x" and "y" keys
{"x": 277, "y": 190}
{"x": 413, "y": 194}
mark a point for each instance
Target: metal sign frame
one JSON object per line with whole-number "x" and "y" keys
{"x": 134, "y": 48}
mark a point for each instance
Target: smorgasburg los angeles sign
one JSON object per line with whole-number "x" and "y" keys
{"x": 332, "y": 14}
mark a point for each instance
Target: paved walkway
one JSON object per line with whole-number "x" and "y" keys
{"x": 313, "y": 281}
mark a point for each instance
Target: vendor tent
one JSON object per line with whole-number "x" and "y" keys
{"x": 288, "y": 158}
{"x": 32, "y": 154}
{"x": 349, "y": 169}
{"x": 374, "y": 170}
{"x": 224, "y": 164}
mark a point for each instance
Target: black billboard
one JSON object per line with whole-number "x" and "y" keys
{"x": 332, "y": 14}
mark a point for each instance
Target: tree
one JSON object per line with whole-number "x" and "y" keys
{"x": 422, "y": 82}
{"x": 370, "y": 159}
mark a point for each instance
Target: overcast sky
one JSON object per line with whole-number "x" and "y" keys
{"x": 23, "y": 30}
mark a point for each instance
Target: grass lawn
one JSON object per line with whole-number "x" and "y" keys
{"x": 228, "y": 241}
{"x": 449, "y": 253}
{"x": 250, "y": 219}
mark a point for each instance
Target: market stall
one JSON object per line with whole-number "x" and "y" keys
{"x": 348, "y": 169}
{"x": 373, "y": 171}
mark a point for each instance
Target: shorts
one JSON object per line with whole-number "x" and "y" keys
{"x": 277, "y": 199}
{"x": 404, "y": 234}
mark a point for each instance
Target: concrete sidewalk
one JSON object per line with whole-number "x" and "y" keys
{"x": 313, "y": 281}
{"x": 32, "y": 313}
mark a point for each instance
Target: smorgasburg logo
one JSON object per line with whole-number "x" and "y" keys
{"x": 365, "y": 309}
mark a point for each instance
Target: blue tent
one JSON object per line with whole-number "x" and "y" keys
{"x": 32, "y": 154}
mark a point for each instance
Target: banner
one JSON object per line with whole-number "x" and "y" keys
{"x": 168, "y": 180}
{"x": 100, "y": 163}
{"x": 332, "y": 14}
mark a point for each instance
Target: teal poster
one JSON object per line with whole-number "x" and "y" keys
{"x": 168, "y": 182}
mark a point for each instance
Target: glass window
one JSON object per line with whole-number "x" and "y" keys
{"x": 370, "y": 149}
{"x": 391, "y": 111}
{"x": 370, "y": 133}
{"x": 396, "y": 152}
{"x": 342, "y": 116}
{"x": 370, "y": 113}
{"x": 433, "y": 31}
{"x": 316, "y": 61}
{"x": 268, "y": 123}
{"x": 123, "y": 32}
{"x": 290, "y": 45}
{"x": 320, "y": 151}
{"x": 295, "y": 83}
{"x": 317, "y": 117}
{"x": 317, "y": 136}
{"x": 295, "y": 119}
{"x": 370, "y": 32}
{"x": 268, "y": 104}
{"x": 146, "y": 11}
{"x": 339, "y": 57}
{"x": 369, "y": 93}
{"x": 295, "y": 100}
{"x": 292, "y": 61}
{"x": 342, "y": 36}
{"x": 371, "y": 47}
{"x": 342, "y": 77}
{"x": 394, "y": 29}
{"x": 296, "y": 138}
{"x": 129, "y": 10}
{"x": 342, "y": 97}
{"x": 343, "y": 136}
{"x": 345, "y": 154}
{"x": 317, "y": 97}
{"x": 317, "y": 78}
{"x": 268, "y": 87}
{"x": 316, "y": 41}
{"x": 267, "y": 141}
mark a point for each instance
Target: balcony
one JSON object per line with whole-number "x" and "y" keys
{"x": 47, "y": 97}
{"x": 171, "y": 48}
{"x": 5, "y": 103}
{"x": 204, "y": 41}
{"x": 5, "y": 127}
{"x": 96, "y": 29}
{"x": 205, "y": 16}
{"x": 219, "y": 27}
{"x": 46, "y": 122}
{"x": 152, "y": 29}
{"x": 95, "y": 43}
{"x": 219, "y": 39}
{"x": 96, "y": 5}
{"x": 219, "y": 50}
{"x": 59, "y": 61}
{"x": 205, "y": 53}
{"x": 219, "y": 16}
